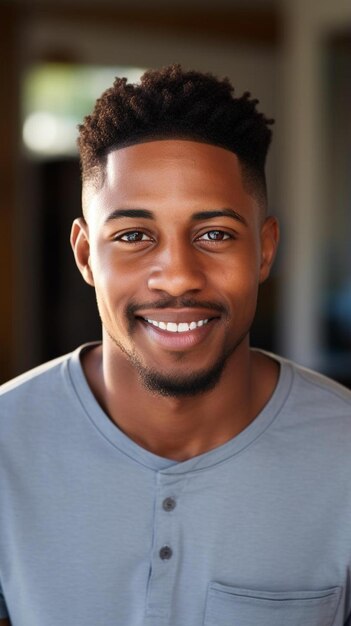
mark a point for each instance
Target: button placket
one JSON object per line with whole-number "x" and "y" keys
{"x": 166, "y": 553}
{"x": 164, "y": 562}
{"x": 169, "y": 504}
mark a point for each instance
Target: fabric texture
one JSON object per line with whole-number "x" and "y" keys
{"x": 95, "y": 529}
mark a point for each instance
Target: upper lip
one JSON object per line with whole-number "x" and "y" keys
{"x": 178, "y": 316}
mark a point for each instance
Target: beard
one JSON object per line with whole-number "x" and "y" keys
{"x": 180, "y": 385}
{"x": 176, "y": 385}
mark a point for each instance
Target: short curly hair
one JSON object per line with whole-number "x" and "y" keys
{"x": 174, "y": 103}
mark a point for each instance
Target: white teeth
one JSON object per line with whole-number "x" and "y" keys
{"x": 182, "y": 328}
{"x": 172, "y": 327}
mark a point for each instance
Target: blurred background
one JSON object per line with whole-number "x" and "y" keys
{"x": 58, "y": 56}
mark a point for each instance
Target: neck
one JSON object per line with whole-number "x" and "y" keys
{"x": 181, "y": 428}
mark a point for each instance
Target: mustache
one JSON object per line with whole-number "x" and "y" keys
{"x": 174, "y": 303}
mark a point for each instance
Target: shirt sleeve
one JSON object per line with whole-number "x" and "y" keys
{"x": 3, "y": 608}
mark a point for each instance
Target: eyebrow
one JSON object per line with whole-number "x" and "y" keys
{"x": 205, "y": 215}
{"x": 200, "y": 215}
{"x": 141, "y": 213}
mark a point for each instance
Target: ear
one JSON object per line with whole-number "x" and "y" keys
{"x": 269, "y": 245}
{"x": 81, "y": 249}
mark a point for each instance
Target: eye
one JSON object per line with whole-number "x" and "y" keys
{"x": 133, "y": 236}
{"x": 215, "y": 235}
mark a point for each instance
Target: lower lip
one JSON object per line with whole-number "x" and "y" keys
{"x": 178, "y": 341}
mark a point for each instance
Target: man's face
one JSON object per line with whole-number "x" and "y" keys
{"x": 175, "y": 248}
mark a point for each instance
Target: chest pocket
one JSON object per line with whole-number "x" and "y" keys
{"x": 232, "y": 606}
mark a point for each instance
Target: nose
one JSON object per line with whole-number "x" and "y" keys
{"x": 177, "y": 271}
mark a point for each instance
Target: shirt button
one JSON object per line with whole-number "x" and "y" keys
{"x": 169, "y": 504}
{"x": 165, "y": 553}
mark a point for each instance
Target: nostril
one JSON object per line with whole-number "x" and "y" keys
{"x": 176, "y": 280}
{"x": 176, "y": 285}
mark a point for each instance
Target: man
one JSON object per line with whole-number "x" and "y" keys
{"x": 172, "y": 476}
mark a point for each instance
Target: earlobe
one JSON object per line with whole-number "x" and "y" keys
{"x": 81, "y": 249}
{"x": 269, "y": 245}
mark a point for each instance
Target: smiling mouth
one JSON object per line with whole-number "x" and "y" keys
{"x": 173, "y": 327}
{"x": 177, "y": 331}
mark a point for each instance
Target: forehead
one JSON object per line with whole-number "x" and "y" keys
{"x": 171, "y": 155}
{"x": 171, "y": 171}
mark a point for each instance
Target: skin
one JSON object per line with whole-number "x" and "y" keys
{"x": 208, "y": 267}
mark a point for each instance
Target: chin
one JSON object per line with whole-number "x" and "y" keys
{"x": 180, "y": 385}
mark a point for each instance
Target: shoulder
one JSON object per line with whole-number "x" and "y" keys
{"x": 40, "y": 414}
{"x": 33, "y": 379}
{"x": 38, "y": 390}
{"x": 315, "y": 411}
{"x": 27, "y": 405}
{"x": 313, "y": 388}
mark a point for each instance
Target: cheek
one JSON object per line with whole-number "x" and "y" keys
{"x": 108, "y": 277}
{"x": 108, "y": 284}
{"x": 240, "y": 274}
{"x": 115, "y": 285}
{"x": 239, "y": 281}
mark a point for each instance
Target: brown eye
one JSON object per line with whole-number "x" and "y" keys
{"x": 215, "y": 235}
{"x": 133, "y": 237}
